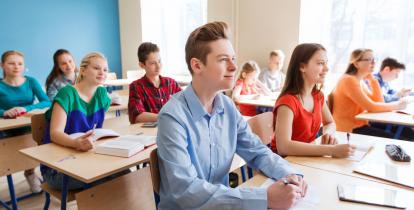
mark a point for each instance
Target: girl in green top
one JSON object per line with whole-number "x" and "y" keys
{"x": 17, "y": 96}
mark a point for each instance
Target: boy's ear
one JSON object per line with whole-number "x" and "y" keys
{"x": 142, "y": 65}
{"x": 195, "y": 65}
{"x": 386, "y": 69}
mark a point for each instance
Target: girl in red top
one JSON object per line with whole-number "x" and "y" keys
{"x": 248, "y": 87}
{"x": 301, "y": 108}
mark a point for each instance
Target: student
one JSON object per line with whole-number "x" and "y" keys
{"x": 17, "y": 96}
{"x": 272, "y": 76}
{"x": 149, "y": 93}
{"x": 200, "y": 130}
{"x": 248, "y": 85}
{"x": 301, "y": 108}
{"x": 77, "y": 108}
{"x": 352, "y": 96}
{"x": 63, "y": 73}
{"x": 390, "y": 69}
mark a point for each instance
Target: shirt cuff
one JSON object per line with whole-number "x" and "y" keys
{"x": 254, "y": 198}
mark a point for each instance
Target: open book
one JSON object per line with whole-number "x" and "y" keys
{"x": 362, "y": 148}
{"x": 125, "y": 146}
{"x": 99, "y": 134}
{"x": 409, "y": 109}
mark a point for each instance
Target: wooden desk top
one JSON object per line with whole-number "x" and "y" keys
{"x": 266, "y": 101}
{"x": 88, "y": 166}
{"x": 345, "y": 166}
{"x": 325, "y": 183}
{"x": 387, "y": 117}
{"x": 21, "y": 121}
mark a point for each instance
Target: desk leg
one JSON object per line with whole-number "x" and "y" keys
{"x": 117, "y": 113}
{"x": 12, "y": 193}
{"x": 398, "y": 132}
{"x": 64, "y": 199}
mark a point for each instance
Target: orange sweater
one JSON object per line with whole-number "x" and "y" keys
{"x": 352, "y": 97}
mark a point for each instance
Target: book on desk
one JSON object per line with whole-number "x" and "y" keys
{"x": 125, "y": 146}
{"x": 99, "y": 133}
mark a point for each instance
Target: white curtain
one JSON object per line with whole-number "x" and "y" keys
{"x": 385, "y": 26}
{"x": 168, "y": 23}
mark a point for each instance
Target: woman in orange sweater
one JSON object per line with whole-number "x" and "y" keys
{"x": 352, "y": 96}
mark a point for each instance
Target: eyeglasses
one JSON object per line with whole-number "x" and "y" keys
{"x": 371, "y": 60}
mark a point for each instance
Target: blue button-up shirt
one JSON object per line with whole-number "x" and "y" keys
{"x": 196, "y": 149}
{"x": 388, "y": 93}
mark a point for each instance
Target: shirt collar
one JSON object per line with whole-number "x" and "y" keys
{"x": 196, "y": 108}
{"x": 145, "y": 78}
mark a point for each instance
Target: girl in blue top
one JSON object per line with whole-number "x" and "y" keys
{"x": 18, "y": 92}
{"x": 17, "y": 96}
{"x": 75, "y": 109}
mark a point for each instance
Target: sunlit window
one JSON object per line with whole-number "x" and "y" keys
{"x": 168, "y": 24}
{"x": 385, "y": 26}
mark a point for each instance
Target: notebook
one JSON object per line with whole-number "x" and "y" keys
{"x": 362, "y": 148}
{"x": 99, "y": 134}
{"x": 372, "y": 195}
{"x": 310, "y": 201}
{"x": 402, "y": 175}
{"x": 125, "y": 146}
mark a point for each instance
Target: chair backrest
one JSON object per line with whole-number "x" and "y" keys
{"x": 111, "y": 76}
{"x": 135, "y": 74}
{"x": 132, "y": 191}
{"x": 38, "y": 127}
{"x": 155, "y": 171}
{"x": 330, "y": 102}
{"x": 261, "y": 125}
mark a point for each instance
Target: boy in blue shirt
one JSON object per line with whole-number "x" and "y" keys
{"x": 200, "y": 130}
{"x": 390, "y": 69}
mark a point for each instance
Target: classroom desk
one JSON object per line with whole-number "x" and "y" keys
{"x": 394, "y": 118}
{"x": 346, "y": 167}
{"x": 180, "y": 79}
{"x": 266, "y": 101}
{"x": 325, "y": 184}
{"x": 88, "y": 166}
{"x": 21, "y": 121}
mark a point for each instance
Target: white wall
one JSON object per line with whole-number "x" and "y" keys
{"x": 258, "y": 27}
{"x": 265, "y": 25}
{"x": 130, "y": 33}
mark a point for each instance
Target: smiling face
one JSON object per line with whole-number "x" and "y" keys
{"x": 66, "y": 64}
{"x": 95, "y": 73}
{"x": 13, "y": 65}
{"x": 315, "y": 70}
{"x": 218, "y": 72}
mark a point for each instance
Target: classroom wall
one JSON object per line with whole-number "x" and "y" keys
{"x": 39, "y": 28}
{"x": 265, "y": 25}
{"x": 258, "y": 27}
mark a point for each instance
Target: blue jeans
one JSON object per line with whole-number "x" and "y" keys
{"x": 54, "y": 179}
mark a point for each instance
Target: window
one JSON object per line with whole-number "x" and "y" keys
{"x": 168, "y": 23}
{"x": 386, "y": 27}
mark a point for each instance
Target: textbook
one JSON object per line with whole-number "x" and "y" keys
{"x": 125, "y": 146}
{"x": 398, "y": 174}
{"x": 99, "y": 134}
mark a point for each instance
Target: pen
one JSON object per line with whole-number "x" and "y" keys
{"x": 94, "y": 126}
{"x": 348, "y": 136}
